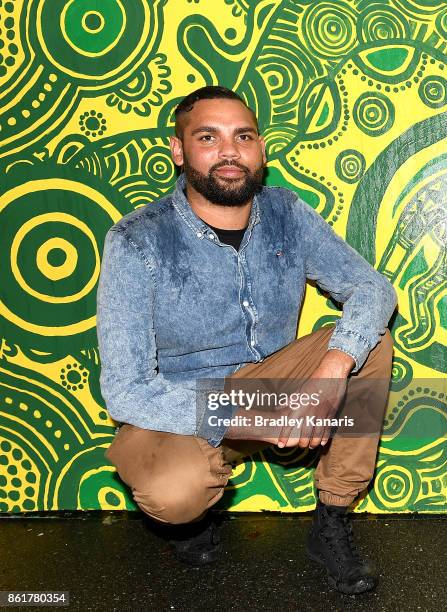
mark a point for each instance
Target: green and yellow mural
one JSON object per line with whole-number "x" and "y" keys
{"x": 352, "y": 99}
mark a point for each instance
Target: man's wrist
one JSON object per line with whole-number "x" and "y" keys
{"x": 337, "y": 362}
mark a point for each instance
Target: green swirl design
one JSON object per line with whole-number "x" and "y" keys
{"x": 329, "y": 28}
{"x": 419, "y": 8}
{"x": 93, "y": 42}
{"x": 50, "y": 442}
{"x": 350, "y": 166}
{"x": 441, "y": 24}
{"x": 422, "y": 217}
{"x": 158, "y": 167}
{"x": 90, "y": 31}
{"x": 374, "y": 113}
{"x": 401, "y": 374}
{"x": 50, "y": 261}
{"x": 433, "y": 91}
{"x": 381, "y": 23}
{"x": 396, "y": 487}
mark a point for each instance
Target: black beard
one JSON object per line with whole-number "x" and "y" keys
{"x": 229, "y": 192}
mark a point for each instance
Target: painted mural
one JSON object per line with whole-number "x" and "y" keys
{"x": 352, "y": 99}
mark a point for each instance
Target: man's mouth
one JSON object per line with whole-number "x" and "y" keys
{"x": 230, "y": 171}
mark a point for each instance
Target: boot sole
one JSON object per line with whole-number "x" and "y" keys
{"x": 199, "y": 560}
{"x": 196, "y": 562}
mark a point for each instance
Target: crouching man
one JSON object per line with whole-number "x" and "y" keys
{"x": 207, "y": 283}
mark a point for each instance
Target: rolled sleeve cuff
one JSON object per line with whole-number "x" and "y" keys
{"x": 212, "y": 426}
{"x": 353, "y": 344}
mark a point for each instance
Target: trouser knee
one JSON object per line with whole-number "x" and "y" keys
{"x": 175, "y": 504}
{"x": 173, "y": 478}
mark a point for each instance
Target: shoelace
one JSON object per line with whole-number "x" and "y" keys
{"x": 339, "y": 536}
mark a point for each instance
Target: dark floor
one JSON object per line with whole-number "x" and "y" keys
{"x": 114, "y": 561}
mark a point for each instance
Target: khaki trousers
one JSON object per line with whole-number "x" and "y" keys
{"x": 175, "y": 478}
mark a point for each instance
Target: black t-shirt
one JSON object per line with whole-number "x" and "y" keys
{"x": 232, "y": 237}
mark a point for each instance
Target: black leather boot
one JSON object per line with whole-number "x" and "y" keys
{"x": 330, "y": 542}
{"x": 196, "y": 543}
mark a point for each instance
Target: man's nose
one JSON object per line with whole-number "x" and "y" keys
{"x": 228, "y": 149}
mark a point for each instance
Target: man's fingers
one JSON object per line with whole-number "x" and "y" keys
{"x": 326, "y": 436}
{"x": 285, "y": 434}
{"x": 317, "y": 436}
{"x": 310, "y": 433}
{"x": 322, "y": 432}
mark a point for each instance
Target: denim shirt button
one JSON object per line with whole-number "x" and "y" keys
{"x": 245, "y": 303}
{"x": 252, "y": 342}
{"x": 211, "y": 236}
{"x": 199, "y": 234}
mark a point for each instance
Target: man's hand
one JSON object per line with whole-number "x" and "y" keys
{"x": 329, "y": 382}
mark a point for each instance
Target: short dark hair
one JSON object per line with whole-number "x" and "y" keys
{"x": 210, "y": 92}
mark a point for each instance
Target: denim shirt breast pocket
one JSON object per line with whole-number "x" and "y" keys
{"x": 278, "y": 292}
{"x": 285, "y": 266}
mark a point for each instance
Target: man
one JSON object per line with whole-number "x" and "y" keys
{"x": 207, "y": 283}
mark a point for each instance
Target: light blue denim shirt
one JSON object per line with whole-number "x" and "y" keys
{"x": 175, "y": 305}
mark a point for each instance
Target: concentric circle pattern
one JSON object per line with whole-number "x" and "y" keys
{"x": 329, "y": 28}
{"x": 93, "y": 41}
{"x": 157, "y": 166}
{"x": 350, "y": 166}
{"x": 51, "y": 258}
{"x": 374, "y": 113}
{"x": 433, "y": 91}
{"x": 397, "y": 487}
{"x": 381, "y": 23}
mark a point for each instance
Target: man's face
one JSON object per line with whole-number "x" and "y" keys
{"x": 222, "y": 155}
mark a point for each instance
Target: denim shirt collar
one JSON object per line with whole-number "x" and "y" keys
{"x": 199, "y": 227}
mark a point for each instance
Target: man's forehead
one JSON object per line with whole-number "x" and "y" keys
{"x": 219, "y": 113}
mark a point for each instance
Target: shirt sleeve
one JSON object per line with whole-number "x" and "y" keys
{"x": 133, "y": 389}
{"x": 368, "y": 297}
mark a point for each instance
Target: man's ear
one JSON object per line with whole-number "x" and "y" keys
{"x": 176, "y": 146}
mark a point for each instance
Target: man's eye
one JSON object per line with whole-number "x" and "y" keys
{"x": 207, "y": 138}
{"x": 246, "y": 137}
